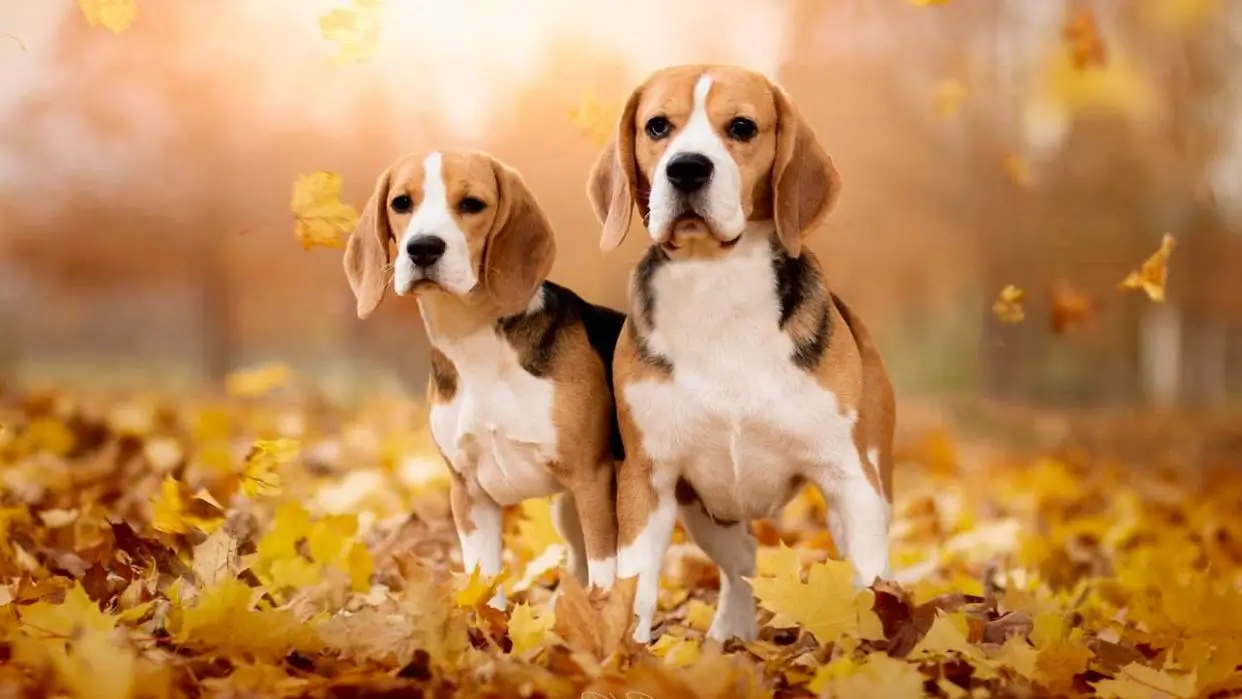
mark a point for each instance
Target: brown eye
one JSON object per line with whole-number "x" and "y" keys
{"x": 742, "y": 129}
{"x": 658, "y": 127}
{"x": 471, "y": 205}
{"x": 402, "y": 204}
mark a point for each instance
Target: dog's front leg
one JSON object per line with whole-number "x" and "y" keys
{"x": 479, "y": 526}
{"x": 646, "y": 513}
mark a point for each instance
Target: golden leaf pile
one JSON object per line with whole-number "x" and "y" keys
{"x": 223, "y": 569}
{"x": 321, "y": 219}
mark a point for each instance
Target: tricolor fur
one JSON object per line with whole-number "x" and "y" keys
{"x": 739, "y": 376}
{"x": 521, "y": 382}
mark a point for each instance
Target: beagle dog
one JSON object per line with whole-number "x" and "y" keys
{"x": 740, "y": 377}
{"x": 521, "y": 368}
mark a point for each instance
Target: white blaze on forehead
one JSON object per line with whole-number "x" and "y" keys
{"x": 434, "y": 217}
{"x": 720, "y": 202}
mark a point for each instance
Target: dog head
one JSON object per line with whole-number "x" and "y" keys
{"x": 703, "y": 150}
{"x": 463, "y": 223}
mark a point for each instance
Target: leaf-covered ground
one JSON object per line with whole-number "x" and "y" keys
{"x": 249, "y": 547}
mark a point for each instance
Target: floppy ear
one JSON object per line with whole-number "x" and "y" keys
{"x": 613, "y": 181}
{"x": 805, "y": 185}
{"x": 520, "y": 249}
{"x": 366, "y": 254}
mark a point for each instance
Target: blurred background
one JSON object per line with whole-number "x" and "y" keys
{"x": 146, "y": 238}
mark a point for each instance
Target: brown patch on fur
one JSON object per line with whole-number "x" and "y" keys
{"x": 877, "y": 404}
{"x": 582, "y": 411}
{"x": 636, "y": 497}
{"x": 443, "y": 377}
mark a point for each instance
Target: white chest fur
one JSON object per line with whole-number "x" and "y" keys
{"x": 497, "y": 431}
{"x": 739, "y": 419}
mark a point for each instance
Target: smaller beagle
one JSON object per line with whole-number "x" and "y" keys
{"x": 740, "y": 377}
{"x": 521, "y": 368}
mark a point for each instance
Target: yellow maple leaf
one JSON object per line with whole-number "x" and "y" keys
{"x": 475, "y": 589}
{"x": 878, "y": 676}
{"x": 355, "y": 29}
{"x": 1008, "y": 306}
{"x": 1151, "y": 277}
{"x": 360, "y": 566}
{"x": 947, "y": 634}
{"x": 594, "y": 120}
{"x": 676, "y": 652}
{"x": 77, "y": 613}
{"x": 535, "y": 529}
{"x": 1047, "y": 628}
{"x": 699, "y": 615}
{"x": 827, "y": 604}
{"x": 225, "y": 619}
{"x": 948, "y": 98}
{"x": 320, "y": 217}
{"x": 527, "y": 631}
{"x": 115, "y": 15}
{"x": 258, "y": 381}
{"x": 1136, "y": 681}
{"x": 95, "y": 667}
{"x": 259, "y": 477}
{"x": 1019, "y": 655}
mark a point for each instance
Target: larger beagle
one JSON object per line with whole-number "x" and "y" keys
{"x": 521, "y": 368}
{"x": 739, "y": 376}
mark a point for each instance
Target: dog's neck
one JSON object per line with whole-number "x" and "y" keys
{"x": 448, "y": 318}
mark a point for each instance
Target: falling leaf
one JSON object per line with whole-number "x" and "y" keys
{"x": 321, "y": 218}
{"x": 170, "y": 513}
{"x": 115, "y": 15}
{"x": 527, "y": 631}
{"x": 1008, "y": 306}
{"x": 594, "y": 120}
{"x": 928, "y": 3}
{"x": 1137, "y": 681}
{"x": 948, "y": 99}
{"x": 1082, "y": 36}
{"x": 1152, "y": 275}
{"x": 1018, "y": 171}
{"x": 258, "y": 381}
{"x": 827, "y": 604}
{"x": 355, "y": 29}
{"x": 260, "y": 476}
{"x": 1070, "y": 307}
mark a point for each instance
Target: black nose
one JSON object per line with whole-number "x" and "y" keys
{"x": 424, "y": 250}
{"x": 688, "y": 172}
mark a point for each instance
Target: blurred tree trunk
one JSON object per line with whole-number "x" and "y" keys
{"x": 219, "y": 347}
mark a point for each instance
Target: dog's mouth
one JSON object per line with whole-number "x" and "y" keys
{"x": 690, "y": 229}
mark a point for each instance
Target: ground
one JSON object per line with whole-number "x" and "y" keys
{"x": 279, "y": 545}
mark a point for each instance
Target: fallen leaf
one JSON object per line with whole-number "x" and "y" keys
{"x": 827, "y": 604}
{"x": 878, "y": 676}
{"x": 258, "y": 381}
{"x": 597, "y": 626}
{"x": 1152, "y": 275}
{"x": 260, "y": 477}
{"x": 215, "y": 560}
{"x": 676, "y": 652}
{"x": 527, "y": 631}
{"x": 321, "y": 219}
{"x": 1137, "y": 681}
